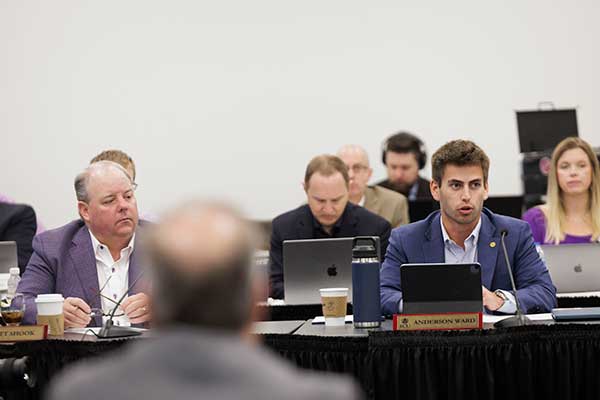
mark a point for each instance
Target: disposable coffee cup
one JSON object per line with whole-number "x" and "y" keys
{"x": 50, "y": 312}
{"x": 334, "y": 302}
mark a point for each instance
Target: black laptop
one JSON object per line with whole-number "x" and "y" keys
{"x": 441, "y": 288}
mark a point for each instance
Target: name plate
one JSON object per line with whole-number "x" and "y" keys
{"x": 438, "y": 322}
{"x": 23, "y": 333}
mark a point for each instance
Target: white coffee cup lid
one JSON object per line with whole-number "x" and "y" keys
{"x": 331, "y": 291}
{"x": 49, "y": 298}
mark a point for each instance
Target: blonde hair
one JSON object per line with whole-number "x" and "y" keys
{"x": 555, "y": 209}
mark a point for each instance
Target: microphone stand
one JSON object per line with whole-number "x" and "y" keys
{"x": 519, "y": 319}
{"x": 110, "y": 330}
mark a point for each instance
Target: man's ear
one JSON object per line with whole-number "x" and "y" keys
{"x": 84, "y": 212}
{"x": 304, "y": 187}
{"x": 486, "y": 191}
{"x": 434, "y": 188}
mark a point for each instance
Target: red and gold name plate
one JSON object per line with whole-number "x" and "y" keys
{"x": 437, "y": 322}
{"x": 23, "y": 333}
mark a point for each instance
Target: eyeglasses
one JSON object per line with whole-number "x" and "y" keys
{"x": 98, "y": 312}
{"x": 358, "y": 168}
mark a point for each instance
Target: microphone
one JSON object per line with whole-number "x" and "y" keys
{"x": 519, "y": 319}
{"x": 109, "y": 330}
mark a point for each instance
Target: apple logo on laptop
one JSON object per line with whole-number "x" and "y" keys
{"x": 332, "y": 271}
{"x": 578, "y": 268}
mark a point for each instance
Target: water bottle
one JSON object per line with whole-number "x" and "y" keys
{"x": 13, "y": 281}
{"x": 366, "y": 303}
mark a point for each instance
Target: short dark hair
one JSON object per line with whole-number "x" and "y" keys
{"x": 327, "y": 165}
{"x": 404, "y": 142}
{"x": 458, "y": 152}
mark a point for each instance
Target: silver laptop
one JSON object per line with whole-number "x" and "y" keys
{"x": 8, "y": 256}
{"x": 574, "y": 267}
{"x": 312, "y": 264}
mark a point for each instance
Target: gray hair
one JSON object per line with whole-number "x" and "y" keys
{"x": 354, "y": 148}
{"x": 82, "y": 179}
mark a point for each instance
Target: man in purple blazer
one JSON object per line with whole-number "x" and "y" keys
{"x": 92, "y": 261}
{"x": 464, "y": 232}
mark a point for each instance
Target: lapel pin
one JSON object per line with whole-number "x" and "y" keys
{"x": 492, "y": 244}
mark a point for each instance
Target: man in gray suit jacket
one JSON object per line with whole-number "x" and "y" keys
{"x": 91, "y": 261}
{"x": 386, "y": 203}
{"x": 203, "y": 296}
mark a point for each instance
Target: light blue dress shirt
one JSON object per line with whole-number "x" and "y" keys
{"x": 454, "y": 254}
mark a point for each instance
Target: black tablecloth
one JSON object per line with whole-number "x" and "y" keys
{"x": 534, "y": 362}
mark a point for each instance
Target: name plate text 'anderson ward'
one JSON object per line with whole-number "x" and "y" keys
{"x": 436, "y": 322}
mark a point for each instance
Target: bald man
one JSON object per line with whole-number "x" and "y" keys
{"x": 92, "y": 261}
{"x": 203, "y": 297}
{"x": 386, "y": 203}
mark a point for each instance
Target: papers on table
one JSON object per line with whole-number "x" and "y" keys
{"x": 492, "y": 319}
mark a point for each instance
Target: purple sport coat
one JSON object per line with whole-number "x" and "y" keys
{"x": 63, "y": 261}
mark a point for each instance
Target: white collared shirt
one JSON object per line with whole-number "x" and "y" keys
{"x": 362, "y": 201}
{"x": 453, "y": 253}
{"x": 117, "y": 275}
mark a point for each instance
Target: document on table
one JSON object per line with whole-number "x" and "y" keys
{"x": 492, "y": 319}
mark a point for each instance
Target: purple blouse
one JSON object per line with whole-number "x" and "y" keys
{"x": 537, "y": 221}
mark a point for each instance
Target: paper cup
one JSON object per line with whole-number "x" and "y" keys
{"x": 334, "y": 302}
{"x": 50, "y": 312}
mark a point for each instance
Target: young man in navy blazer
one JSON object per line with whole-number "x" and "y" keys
{"x": 463, "y": 231}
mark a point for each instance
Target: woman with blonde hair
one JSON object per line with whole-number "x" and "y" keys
{"x": 572, "y": 211}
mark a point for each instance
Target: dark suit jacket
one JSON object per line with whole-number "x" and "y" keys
{"x": 423, "y": 191}
{"x": 63, "y": 261}
{"x": 422, "y": 242}
{"x": 18, "y": 223}
{"x": 298, "y": 224}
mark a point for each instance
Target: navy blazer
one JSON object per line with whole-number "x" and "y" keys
{"x": 64, "y": 262}
{"x": 422, "y": 242}
{"x": 298, "y": 224}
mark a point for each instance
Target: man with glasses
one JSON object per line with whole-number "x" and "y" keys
{"x": 384, "y": 202}
{"x": 92, "y": 261}
{"x": 328, "y": 214}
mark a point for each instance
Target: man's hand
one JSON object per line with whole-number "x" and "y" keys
{"x": 77, "y": 313}
{"x": 491, "y": 300}
{"x": 137, "y": 308}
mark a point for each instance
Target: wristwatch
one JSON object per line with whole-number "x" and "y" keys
{"x": 500, "y": 294}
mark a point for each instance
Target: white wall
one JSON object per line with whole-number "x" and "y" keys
{"x": 230, "y": 99}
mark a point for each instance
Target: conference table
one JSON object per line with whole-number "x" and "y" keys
{"x": 539, "y": 361}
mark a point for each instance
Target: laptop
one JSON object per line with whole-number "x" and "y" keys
{"x": 312, "y": 264}
{"x": 441, "y": 288}
{"x": 574, "y": 267}
{"x": 8, "y": 256}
